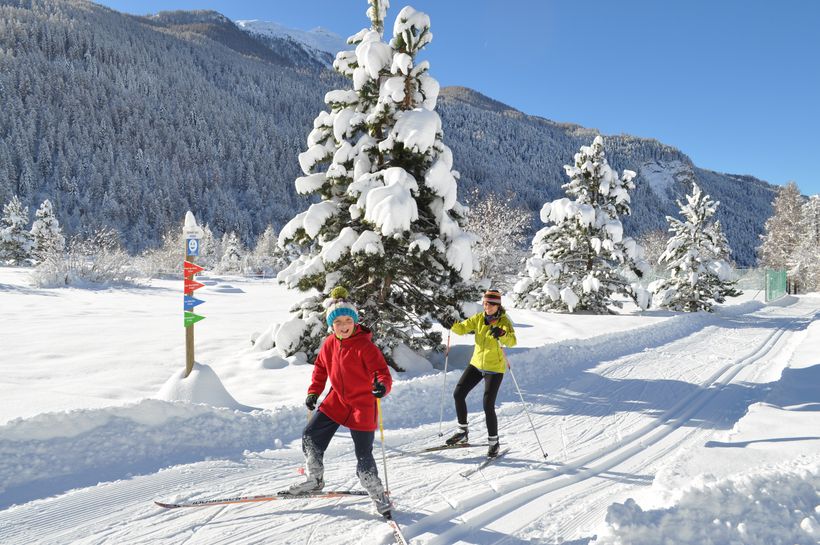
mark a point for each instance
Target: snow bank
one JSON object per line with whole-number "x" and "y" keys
{"x": 53, "y": 452}
{"x": 776, "y": 505}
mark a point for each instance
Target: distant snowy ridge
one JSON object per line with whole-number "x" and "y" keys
{"x": 319, "y": 39}
{"x": 53, "y": 452}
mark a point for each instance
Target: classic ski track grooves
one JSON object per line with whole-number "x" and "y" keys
{"x": 479, "y": 510}
{"x": 119, "y": 513}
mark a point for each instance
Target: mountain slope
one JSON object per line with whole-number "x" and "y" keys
{"x": 498, "y": 148}
{"x": 111, "y": 115}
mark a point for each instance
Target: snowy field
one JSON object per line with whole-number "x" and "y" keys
{"x": 660, "y": 427}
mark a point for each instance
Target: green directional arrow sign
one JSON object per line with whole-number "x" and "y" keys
{"x": 191, "y": 318}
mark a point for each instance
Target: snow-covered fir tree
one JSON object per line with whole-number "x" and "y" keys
{"x": 807, "y": 255}
{"x": 696, "y": 258}
{"x": 46, "y": 232}
{"x": 782, "y": 229}
{"x": 388, "y": 225}
{"x": 582, "y": 260}
{"x": 232, "y": 253}
{"x": 16, "y": 242}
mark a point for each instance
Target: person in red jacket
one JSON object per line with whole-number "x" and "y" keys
{"x": 358, "y": 375}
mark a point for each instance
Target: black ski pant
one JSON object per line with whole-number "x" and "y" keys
{"x": 316, "y": 438}
{"x": 469, "y": 379}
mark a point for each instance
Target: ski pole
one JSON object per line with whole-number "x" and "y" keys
{"x": 512, "y": 374}
{"x": 384, "y": 456}
{"x": 443, "y": 386}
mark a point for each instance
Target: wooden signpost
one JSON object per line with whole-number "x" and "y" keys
{"x": 192, "y": 245}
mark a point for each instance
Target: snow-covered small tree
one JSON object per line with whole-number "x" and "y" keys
{"x": 782, "y": 229}
{"x": 233, "y": 253}
{"x": 388, "y": 225}
{"x": 653, "y": 244}
{"x": 268, "y": 257}
{"x": 46, "y": 232}
{"x": 96, "y": 258}
{"x": 807, "y": 255}
{"x": 696, "y": 258}
{"x": 210, "y": 250}
{"x": 167, "y": 259}
{"x": 16, "y": 242}
{"x": 500, "y": 228}
{"x": 582, "y": 259}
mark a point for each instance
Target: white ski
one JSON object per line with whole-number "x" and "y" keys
{"x": 484, "y": 463}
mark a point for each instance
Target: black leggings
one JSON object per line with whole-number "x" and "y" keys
{"x": 469, "y": 379}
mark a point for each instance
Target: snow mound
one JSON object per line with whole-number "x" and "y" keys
{"x": 775, "y": 505}
{"x": 412, "y": 363}
{"x": 201, "y": 386}
{"x": 53, "y": 452}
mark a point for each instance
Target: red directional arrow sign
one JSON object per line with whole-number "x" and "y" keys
{"x": 191, "y": 268}
{"x": 191, "y": 285}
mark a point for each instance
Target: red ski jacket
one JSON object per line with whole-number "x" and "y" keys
{"x": 351, "y": 365}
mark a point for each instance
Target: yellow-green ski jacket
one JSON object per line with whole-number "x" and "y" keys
{"x": 487, "y": 354}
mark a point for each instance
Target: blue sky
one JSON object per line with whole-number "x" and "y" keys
{"x": 734, "y": 84}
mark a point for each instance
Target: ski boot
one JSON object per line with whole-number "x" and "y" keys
{"x": 310, "y": 486}
{"x": 458, "y": 437}
{"x": 492, "y": 451}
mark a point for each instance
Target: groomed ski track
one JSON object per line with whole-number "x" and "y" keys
{"x": 611, "y": 414}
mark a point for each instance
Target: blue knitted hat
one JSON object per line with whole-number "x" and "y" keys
{"x": 340, "y": 306}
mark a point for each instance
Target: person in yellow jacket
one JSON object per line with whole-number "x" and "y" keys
{"x": 492, "y": 328}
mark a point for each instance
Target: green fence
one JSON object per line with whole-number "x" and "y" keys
{"x": 775, "y": 284}
{"x": 772, "y": 282}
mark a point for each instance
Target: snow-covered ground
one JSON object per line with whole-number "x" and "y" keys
{"x": 660, "y": 427}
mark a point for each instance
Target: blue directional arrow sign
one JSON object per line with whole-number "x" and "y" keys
{"x": 191, "y": 302}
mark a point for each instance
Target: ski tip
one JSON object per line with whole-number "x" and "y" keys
{"x": 166, "y": 505}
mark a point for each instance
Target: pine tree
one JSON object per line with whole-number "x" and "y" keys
{"x": 46, "y": 232}
{"x": 696, "y": 258}
{"x": 389, "y": 225}
{"x": 16, "y": 242}
{"x": 582, "y": 259}
{"x": 233, "y": 253}
{"x": 782, "y": 230}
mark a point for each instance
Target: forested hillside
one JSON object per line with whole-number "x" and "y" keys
{"x": 129, "y": 121}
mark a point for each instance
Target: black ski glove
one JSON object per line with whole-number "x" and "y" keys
{"x": 379, "y": 389}
{"x": 310, "y": 401}
{"x": 497, "y": 332}
{"x": 447, "y": 322}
